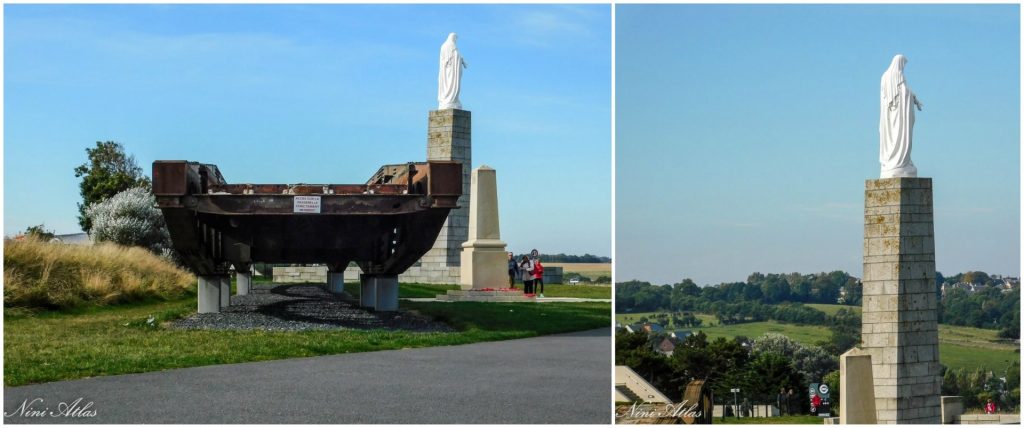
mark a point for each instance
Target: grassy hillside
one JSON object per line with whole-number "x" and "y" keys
{"x": 40, "y": 275}
{"x": 965, "y": 347}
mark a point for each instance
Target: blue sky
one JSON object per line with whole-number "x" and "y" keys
{"x": 315, "y": 94}
{"x": 744, "y": 135}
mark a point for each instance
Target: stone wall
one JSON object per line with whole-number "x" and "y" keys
{"x": 294, "y": 274}
{"x": 993, "y": 419}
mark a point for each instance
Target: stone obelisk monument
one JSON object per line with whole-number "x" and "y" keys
{"x": 899, "y": 332}
{"x": 484, "y": 260}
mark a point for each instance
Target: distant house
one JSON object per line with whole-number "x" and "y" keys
{"x": 681, "y": 334}
{"x": 653, "y": 328}
{"x": 634, "y": 328}
{"x": 73, "y": 239}
{"x": 666, "y": 347}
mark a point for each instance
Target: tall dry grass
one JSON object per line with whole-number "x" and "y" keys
{"x": 41, "y": 275}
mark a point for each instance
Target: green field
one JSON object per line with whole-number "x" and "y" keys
{"x": 99, "y": 341}
{"x": 959, "y": 347}
{"x": 832, "y": 309}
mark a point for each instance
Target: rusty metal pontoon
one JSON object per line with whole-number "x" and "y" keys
{"x": 384, "y": 225}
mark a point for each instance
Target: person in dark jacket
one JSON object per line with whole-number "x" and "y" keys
{"x": 513, "y": 270}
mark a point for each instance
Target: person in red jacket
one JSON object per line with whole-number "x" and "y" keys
{"x": 538, "y": 277}
{"x": 990, "y": 407}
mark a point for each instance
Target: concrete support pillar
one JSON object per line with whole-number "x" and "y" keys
{"x": 209, "y": 295}
{"x": 336, "y": 282}
{"x": 387, "y": 293}
{"x": 900, "y": 328}
{"x": 379, "y": 292}
{"x": 225, "y": 290}
{"x": 243, "y": 281}
{"x": 484, "y": 260}
{"x": 367, "y": 291}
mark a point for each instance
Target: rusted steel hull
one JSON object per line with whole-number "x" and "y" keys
{"x": 385, "y": 225}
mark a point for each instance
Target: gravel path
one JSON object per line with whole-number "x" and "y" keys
{"x": 302, "y": 307}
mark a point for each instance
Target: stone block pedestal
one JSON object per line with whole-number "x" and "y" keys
{"x": 900, "y": 329}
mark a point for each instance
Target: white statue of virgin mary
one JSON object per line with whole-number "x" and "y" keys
{"x": 449, "y": 75}
{"x": 896, "y": 125}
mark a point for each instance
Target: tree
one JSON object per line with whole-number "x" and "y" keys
{"x": 130, "y": 218}
{"x": 108, "y": 171}
{"x": 39, "y": 232}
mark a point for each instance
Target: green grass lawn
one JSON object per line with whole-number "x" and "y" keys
{"x": 554, "y": 290}
{"x": 797, "y": 419}
{"x": 832, "y": 309}
{"x": 581, "y": 291}
{"x": 959, "y": 347}
{"x": 50, "y": 346}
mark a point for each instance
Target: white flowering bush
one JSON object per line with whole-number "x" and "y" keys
{"x": 813, "y": 362}
{"x": 130, "y": 218}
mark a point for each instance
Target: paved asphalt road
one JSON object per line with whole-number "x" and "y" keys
{"x": 551, "y": 379}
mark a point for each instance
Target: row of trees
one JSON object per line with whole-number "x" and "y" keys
{"x": 770, "y": 363}
{"x": 989, "y": 307}
{"x": 777, "y": 297}
{"x": 767, "y": 289}
{"x": 978, "y": 386}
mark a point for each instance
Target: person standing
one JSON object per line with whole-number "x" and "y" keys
{"x": 990, "y": 407}
{"x": 538, "y": 277}
{"x": 780, "y": 401}
{"x": 513, "y": 270}
{"x": 526, "y": 273}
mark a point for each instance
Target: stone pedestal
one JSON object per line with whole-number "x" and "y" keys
{"x": 209, "y": 294}
{"x": 225, "y": 290}
{"x": 449, "y": 136}
{"x": 243, "y": 281}
{"x": 856, "y": 388}
{"x": 900, "y": 329}
{"x": 484, "y": 260}
{"x": 336, "y": 282}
